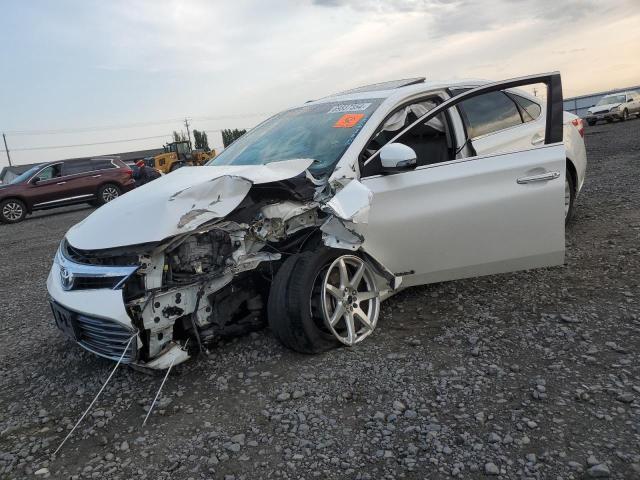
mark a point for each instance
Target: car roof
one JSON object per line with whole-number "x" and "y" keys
{"x": 397, "y": 88}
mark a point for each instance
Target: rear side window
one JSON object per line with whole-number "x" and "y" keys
{"x": 84, "y": 166}
{"x": 489, "y": 113}
{"x": 101, "y": 164}
{"x": 530, "y": 110}
{"x": 79, "y": 166}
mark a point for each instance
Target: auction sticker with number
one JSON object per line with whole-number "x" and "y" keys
{"x": 349, "y": 107}
{"x": 348, "y": 120}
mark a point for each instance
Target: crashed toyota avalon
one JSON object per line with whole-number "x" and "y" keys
{"x": 315, "y": 216}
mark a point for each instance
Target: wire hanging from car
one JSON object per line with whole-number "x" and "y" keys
{"x": 98, "y": 394}
{"x": 162, "y": 385}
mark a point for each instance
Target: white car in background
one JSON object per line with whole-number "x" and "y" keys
{"x": 617, "y": 106}
{"x": 318, "y": 214}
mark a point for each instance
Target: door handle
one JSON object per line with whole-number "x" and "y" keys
{"x": 541, "y": 177}
{"x": 95, "y": 176}
{"x": 61, "y": 183}
{"x": 537, "y": 140}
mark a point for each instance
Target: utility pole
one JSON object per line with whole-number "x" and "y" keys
{"x": 186, "y": 124}
{"x": 6, "y": 149}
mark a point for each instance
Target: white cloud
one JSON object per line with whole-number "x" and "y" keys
{"x": 147, "y": 59}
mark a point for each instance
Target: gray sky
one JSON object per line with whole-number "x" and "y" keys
{"x": 143, "y": 65}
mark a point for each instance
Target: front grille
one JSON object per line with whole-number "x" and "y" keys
{"x": 106, "y": 338}
{"x": 105, "y": 258}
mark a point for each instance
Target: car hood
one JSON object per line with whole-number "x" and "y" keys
{"x": 176, "y": 203}
{"x": 607, "y": 107}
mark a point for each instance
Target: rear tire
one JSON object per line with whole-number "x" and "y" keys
{"x": 625, "y": 115}
{"x": 569, "y": 196}
{"x": 12, "y": 210}
{"x": 107, "y": 193}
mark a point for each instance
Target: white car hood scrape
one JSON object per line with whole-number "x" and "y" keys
{"x": 176, "y": 203}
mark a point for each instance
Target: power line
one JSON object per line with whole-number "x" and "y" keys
{"x": 90, "y": 129}
{"x": 89, "y": 144}
{"x": 98, "y": 128}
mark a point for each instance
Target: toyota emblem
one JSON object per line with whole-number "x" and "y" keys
{"x": 66, "y": 277}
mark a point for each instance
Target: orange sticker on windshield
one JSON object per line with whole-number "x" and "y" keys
{"x": 348, "y": 120}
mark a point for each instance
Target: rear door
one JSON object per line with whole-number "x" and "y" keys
{"x": 484, "y": 214}
{"x": 85, "y": 176}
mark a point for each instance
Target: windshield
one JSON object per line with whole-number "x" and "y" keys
{"x": 25, "y": 176}
{"x": 611, "y": 99}
{"x": 321, "y": 132}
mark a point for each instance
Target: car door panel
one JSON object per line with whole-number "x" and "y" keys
{"x": 469, "y": 217}
{"x": 81, "y": 179}
{"x": 490, "y": 213}
{"x": 50, "y": 189}
{"x": 47, "y": 192}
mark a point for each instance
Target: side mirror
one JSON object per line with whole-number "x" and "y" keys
{"x": 592, "y": 105}
{"x": 36, "y": 180}
{"x": 397, "y": 157}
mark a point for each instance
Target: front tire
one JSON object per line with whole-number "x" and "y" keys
{"x": 12, "y": 210}
{"x": 107, "y": 193}
{"x": 320, "y": 299}
{"x": 625, "y": 115}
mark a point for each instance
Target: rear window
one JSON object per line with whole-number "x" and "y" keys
{"x": 489, "y": 113}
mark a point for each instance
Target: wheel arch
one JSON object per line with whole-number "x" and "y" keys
{"x": 20, "y": 198}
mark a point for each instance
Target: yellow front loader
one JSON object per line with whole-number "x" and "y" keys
{"x": 179, "y": 154}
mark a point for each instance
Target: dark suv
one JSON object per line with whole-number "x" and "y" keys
{"x": 56, "y": 184}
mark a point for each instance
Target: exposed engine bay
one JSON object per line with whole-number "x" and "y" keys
{"x": 213, "y": 281}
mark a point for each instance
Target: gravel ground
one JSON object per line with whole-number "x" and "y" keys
{"x": 527, "y": 375}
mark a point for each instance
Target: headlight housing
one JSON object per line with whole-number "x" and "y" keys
{"x": 615, "y": 109}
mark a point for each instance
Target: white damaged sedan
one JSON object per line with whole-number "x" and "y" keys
{"x": 315, "y": 216}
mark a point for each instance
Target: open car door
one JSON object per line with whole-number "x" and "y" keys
{"x": 477, "y": 215}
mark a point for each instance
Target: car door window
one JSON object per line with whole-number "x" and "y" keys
{"x": 489, "y": 113}
{"x": 50, "y": 172}
{"x": 430, "y": 141}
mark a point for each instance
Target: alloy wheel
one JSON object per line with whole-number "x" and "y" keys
{"x": 12, "y": 211}
{"x": 109, "y": 193}
{"x": 350, "y": 299}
